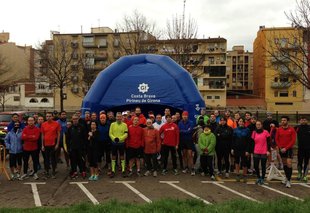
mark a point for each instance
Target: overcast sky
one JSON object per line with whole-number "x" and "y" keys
{"x": 30, "y": 22}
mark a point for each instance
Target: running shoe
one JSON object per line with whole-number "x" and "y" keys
{"x": 226, "y": 175}
{"x": 212, "y": 178}
{"x": 130, "y": 173}
{"x": 238, "y": 178}
{"x": 83, "y": 175}
{"x": 184, "y": 171}
{"x": 95, "y": 178}
{"x": 193, "y": 172}
{"x": 154, "y": 174}
{"x": 23, "y": 177}
{"x": 13, "y": 177}
{"x": 139, "y": 173}
{"x": 112, "y": 174}
{"x": 74, "y": 175}
{"x": 91, "y": 178}
{"x": 284, "y": 181}
{"x": 288, "y": 184}
{"x": 305, "y": 179}
{"x": 147, "y": 173}
{"x": 175, "y": 172}
{"x": 164, "y": 172}
{"x": 35, "y": 176}
{"x": 124, "y": 174}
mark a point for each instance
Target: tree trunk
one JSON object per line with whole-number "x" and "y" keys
{"x": 61, "y": 99}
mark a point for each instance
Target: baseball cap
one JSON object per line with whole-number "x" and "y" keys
{"x": 124, "y": 113}
{"x": 185, "y": 113}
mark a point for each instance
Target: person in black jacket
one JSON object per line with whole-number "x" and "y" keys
{"x": 240, "y": 148}
{"x": 77, "y": 146}
{"x": 93, "y": 149}
{"x": 269, "y": 120}
{"x": 303, "y": 137}
{"x": 224, "y": 136}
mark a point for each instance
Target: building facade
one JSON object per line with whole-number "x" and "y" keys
{"x": 87, "y": 54}
{"x": 276, "y": 54}
{"x": 239, "y": 72}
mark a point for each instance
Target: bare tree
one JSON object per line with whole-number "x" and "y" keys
{"x": 182, "y": 36}
{"x": 4, "y": 85}
{"x": 289, "y": 53}
{"x": 56, "y": 59}
{"x": 136, "y": 28}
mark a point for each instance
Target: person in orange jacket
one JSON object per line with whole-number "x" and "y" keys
{"x": 151, "y": 148}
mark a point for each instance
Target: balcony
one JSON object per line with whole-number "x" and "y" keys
{"x": 212, "y": 88}
{"x": 89, "y": 44}
{"x": 280, "y": 59}
{"x": 101, "y": 56}
{"x": 280, "y": 85}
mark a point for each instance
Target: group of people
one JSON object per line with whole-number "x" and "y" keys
{"x": 130, "y": 142}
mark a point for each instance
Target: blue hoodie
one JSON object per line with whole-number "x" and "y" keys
{"x": 13, "y": 141}
{"x": 104, "y": 132}
{"x": 186, "y": 130}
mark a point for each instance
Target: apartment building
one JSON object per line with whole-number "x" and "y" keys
{"x": 277, "y": 56}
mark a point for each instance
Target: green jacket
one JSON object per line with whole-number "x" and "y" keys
{"x": 118, "y": 131}
{"x": 205, "y": 118}
{"x": 207, "y": 141}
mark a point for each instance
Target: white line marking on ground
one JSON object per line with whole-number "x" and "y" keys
{"x": 302, "y": 184}
{"x": 235, "y": 192}
{"x": 127, "y": 184}
{"x": 282, "y": 193}
{"x": 85, "y": 190}
{"x": 212, "y": 181}
{"x": 35, "y": 193}
{"x": 172, "y": 183}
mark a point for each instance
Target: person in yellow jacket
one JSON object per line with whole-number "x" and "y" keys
{"x": 207, "y": 142}
{"x": 118, "y": 133}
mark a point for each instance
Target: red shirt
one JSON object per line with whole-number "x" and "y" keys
{"x": 50, "y": 131}
{"x": 30, "y": 136}
{"x": 171, "y": 134}
{"x": 135, "y": 137}
{"x": 285, "y": 138}
{"x": 142, "y": 119}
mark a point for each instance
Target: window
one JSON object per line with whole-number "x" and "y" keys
{"x": 116, "y": 43}
{"x": 284, "y": 42}
{"x": 103, "y": 42}
{"x": 41, "y": 86}
{"x": 283, "y": 94}
{"x": 294, "y": 93}
{"x": 217, "y": 97}
{"x": 209, "y": 97}
{"x": 227, "y": 76}
{"x": 16, "y": 98}
{"x": 276, "y": 79}
{"x": 44, "y": 100}
{"x": 33, "y": 100}
{"x": 276, "y": 94}
{"x": 227, "y": 84}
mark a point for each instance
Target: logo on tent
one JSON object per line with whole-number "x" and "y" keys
{"x": 143, "y": 87}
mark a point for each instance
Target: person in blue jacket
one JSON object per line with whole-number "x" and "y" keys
{"x": 240, "y": 148}
{"x": 13, "y": 142}
{"x": 186, "y": 142}
{"x": 105, "y": 145}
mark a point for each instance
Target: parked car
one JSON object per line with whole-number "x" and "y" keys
{"x": 5, "y": 119}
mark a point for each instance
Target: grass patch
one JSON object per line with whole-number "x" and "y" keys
{"x": 179, "y": 206}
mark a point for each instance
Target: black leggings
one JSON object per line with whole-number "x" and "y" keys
{"x": 50, "y": 158}
{"x": 303, "y": 157}
{"x": 206, "y": 162}
{"x": 77, "y": 158}
{"x": 263, "y": 160}
{"x": 165, "y": 150}
{"x": 151, "y": 161}
{"x": 35, "y": 160}
{"x": 222, "y": 153}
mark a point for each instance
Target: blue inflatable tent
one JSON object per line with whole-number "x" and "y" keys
{"x": 146, "y": 80}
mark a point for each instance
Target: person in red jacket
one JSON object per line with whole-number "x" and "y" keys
{"x": 151, "y": 147}
{"x": 134, "y": 144}
{"x": 170, "y": 143}
{"x": 285, "y": 139}
{"x": 30, "y": 136}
